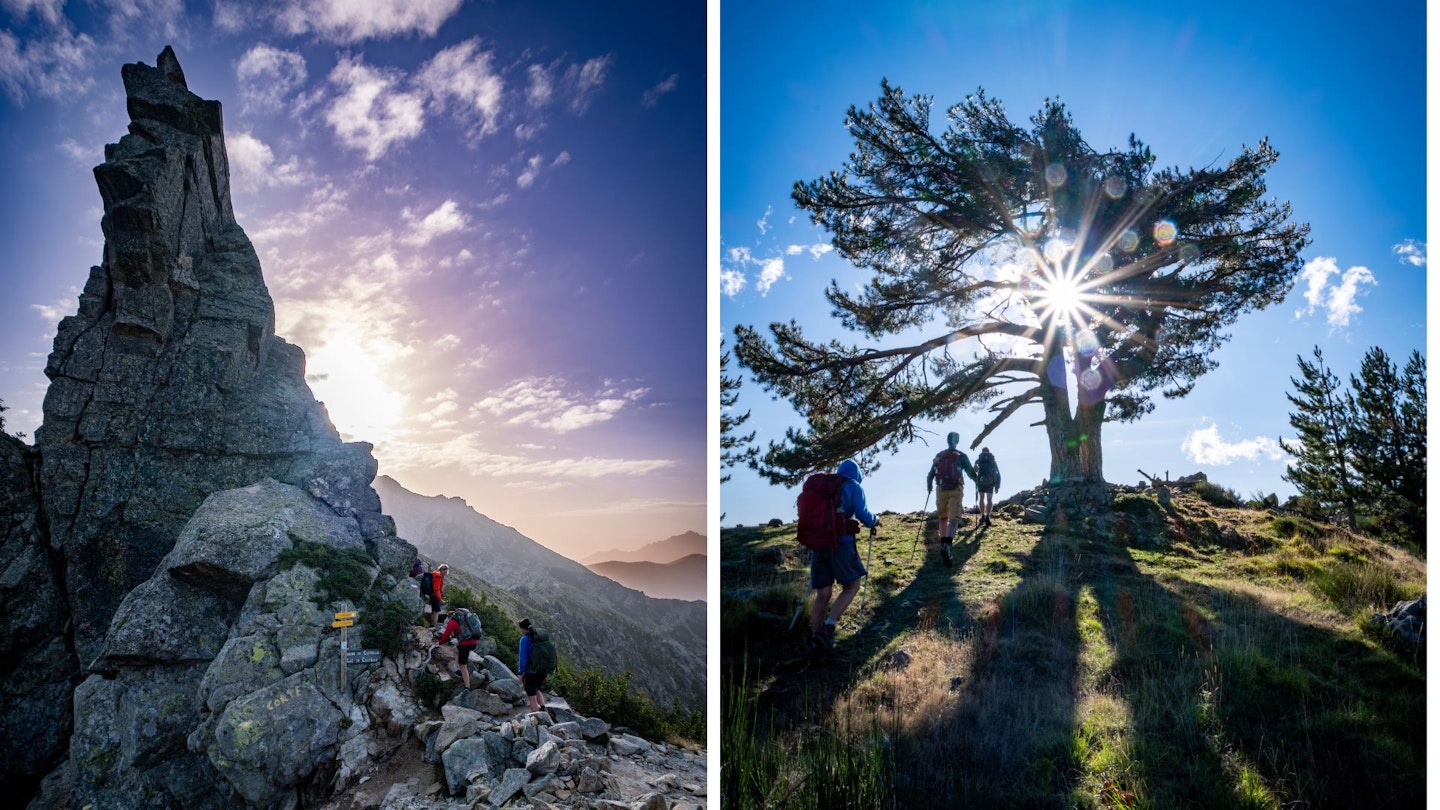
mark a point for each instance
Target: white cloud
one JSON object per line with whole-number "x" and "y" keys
{"x": 1342, "y": 304}
{"x": 561, "y": 159}
{"x": 371, "y": 115}
{"x": 53, "y": 312}
{"x": 815, "y": 251}
{"x": 447, "y": 342}
{"x": 771, "y": 271}
{"x": 1205, "y": 446}
{"x": 651, "y": 96}
{"x": 764, "y": 222}
{"x": 544, "y": 402}
{"x": 448, "y": 218}
{"x": 253, "y": 164}
{"x": 55, "y": 65}
{"x": 732, "y": 282}
{"x": 531, "y": 171}
{"x": 1339, "y": 300}
{"x": 462, "y": 76}
{"x": 585, "y": 80}
{"x": 268, "y": 76}
{"x": 87, "y": 155}
{"x": 50, "y": 11}
{"x": 1411, "y": 252}
{"x": 349, "y": 21}
{"x": 540, "y": 89}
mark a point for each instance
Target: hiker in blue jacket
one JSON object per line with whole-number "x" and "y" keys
{"x": 841, "y": 565}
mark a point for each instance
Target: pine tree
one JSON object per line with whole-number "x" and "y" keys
{"x": 733, "y": 447}
{"x": 1322, "y": 470}
{"x": 1413, "y": 443}
{"x": 1045, "y": 266}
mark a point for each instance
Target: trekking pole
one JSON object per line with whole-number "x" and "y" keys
{"x": 923, "y": 510}
{"x": 865, "y": 590}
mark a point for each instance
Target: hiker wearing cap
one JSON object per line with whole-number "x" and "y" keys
{"x": 436, "y": 593}
{"x": 464, "y": 626}
{"x": 537, "y": 661}
{"x": 840, "y": 565}
{"x": 947, "y": 470}
{"x": 987, "y": 480}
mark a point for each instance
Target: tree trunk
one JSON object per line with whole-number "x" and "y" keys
{"x": 1077, "y": 483}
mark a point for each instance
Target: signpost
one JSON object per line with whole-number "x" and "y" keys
{"x": 363, "y": 656}
{"x": 343, "y": 620}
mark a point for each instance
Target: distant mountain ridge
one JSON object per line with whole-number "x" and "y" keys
{"x": 662, "y": 551}
{"x": 596, "y": 621}
{"x": 681, "y": 579}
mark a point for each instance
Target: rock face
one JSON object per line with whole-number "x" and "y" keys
{"x": 170, "y": 393}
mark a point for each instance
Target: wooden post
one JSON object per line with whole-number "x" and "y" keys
{"x": 344, "y": 653}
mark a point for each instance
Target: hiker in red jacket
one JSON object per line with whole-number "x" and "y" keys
{"x": 465, "y": 642}
{"x": 437, "y": 592}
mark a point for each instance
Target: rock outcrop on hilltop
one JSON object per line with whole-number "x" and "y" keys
{"x": 168, "y": 386}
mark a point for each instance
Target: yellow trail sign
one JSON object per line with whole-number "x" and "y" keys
{"x": 348, "y": 614}
{"x": 343, "y": 623}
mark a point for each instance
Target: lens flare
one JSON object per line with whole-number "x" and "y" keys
{"x": 1102, "y": 264}
{"x": 1165, "y": 232}
{"x": 1115, "y": 187}
{"x": 1055, "y": 174}
{"x": 1090, "y": 379}
{"x": 1086, "y": 343}
{"x": 1189, "y": 253}
{"x": 1055, "y": 249}
{"x": 1129, "y": 240}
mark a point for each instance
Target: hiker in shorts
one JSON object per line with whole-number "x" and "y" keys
{"x": 948, "y": 470}
{"x": 436, "y": 595}
{"x": 530, "y": 675}
{"x": 987, "y": 480}
{"x": 463, "y": 646}
{"x": 841, "y": 565}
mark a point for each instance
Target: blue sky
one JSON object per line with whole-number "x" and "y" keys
{"x": 484, "y": 222}
{"x": 1339, "y": 89}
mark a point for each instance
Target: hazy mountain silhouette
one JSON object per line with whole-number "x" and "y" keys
{"x": 682, "y": 579}
{"x": 662, "y": 551}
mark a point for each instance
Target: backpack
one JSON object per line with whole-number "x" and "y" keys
{"x": 947, "y": 469}
{"x": 427, "y": 585}
{"x": 469, "y": 625}
{"x": 818, "y": 527}
{"x": 543, "y": 658}
{"x": 985, "y": 465}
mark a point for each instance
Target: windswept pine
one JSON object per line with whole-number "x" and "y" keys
{"x": 1039, "y": 264}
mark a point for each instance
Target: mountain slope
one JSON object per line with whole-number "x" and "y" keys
{"x": 595, "y": 621}
{"x": 662, "y": 551}
{"x": 1158, "y": 656}
{"x": 682, "y": 579}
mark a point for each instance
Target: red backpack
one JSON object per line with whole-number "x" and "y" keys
{"x": 819, "y": 525}
{"x": 947, "y": 469}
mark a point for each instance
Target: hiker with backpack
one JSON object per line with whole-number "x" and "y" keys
{"x": 537, "y": 661}
{"x": 832, "y": 510}
{"x": 432, "y": 590}
{"x": 987, "y": 480}
{"x": 947, "y": 470}
{"x": 464, "y": 626}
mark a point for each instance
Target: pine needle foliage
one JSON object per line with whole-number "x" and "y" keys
{"x": 1034, "y": 262}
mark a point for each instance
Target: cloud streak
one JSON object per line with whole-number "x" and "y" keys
{"x": 1205, "y": 446}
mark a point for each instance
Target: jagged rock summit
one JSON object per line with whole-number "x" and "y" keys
{"x": 169, "y": 390}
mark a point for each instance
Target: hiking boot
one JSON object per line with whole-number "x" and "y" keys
{"x": 826, "y": 637}
{"x": 945, "y": 554}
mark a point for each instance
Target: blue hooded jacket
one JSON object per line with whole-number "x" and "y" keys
{"x": 852, "y": 497}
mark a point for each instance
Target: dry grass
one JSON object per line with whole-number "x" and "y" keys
{"x": 1201, "y": 656}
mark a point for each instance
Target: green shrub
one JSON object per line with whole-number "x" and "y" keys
{"x": 387, "y": 625}
{"x": 1216, "y": 495}
{"x": 433, "y": 691}
{"x": 500, "y": 626}
{"x": 344, "y": 573}
{"x": 1362, "y": 587}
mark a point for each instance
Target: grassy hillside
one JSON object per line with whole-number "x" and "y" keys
{"x": 1180, "y": 656}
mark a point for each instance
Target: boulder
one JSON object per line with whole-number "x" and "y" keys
{"x": 459, "y": 723}
{"x": 267, "y": 742}
{"x": 510, "y": 784}
{"x": 1406, "y": 621}
{"x": 465, "y": 761}
{"x": 544, "y": 760}
{"x": 244, "y": 665}
{"x": 508, "y": 689}
{"x": 498, "y": 670}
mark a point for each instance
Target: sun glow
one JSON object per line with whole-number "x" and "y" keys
{"x": 349, "y": 375}
{"x": 1061, "y": 295}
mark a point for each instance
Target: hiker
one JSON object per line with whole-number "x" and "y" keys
{"x": 946, "y": 470}
{"x": 417, "y": 569}
{"x": 537, "y": 661}
{"x": 987, "y": 480}
{"x": 432, "y": 589}
{"x": 840, "y": 565}
{"x": 464, "y": 626}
